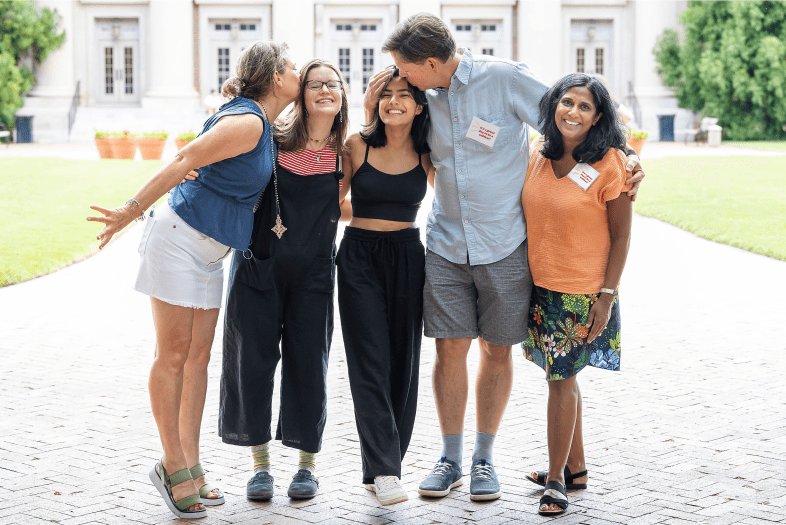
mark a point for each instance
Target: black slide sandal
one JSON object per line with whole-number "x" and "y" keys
{"x": 555, "y": 494}
{"x": 568, "y": 479}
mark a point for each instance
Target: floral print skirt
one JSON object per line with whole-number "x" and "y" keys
{"x": 556, "y": 335}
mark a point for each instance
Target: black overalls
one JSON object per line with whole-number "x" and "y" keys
{"x": 281, "y": 290}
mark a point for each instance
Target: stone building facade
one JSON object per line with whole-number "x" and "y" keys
{"x": 169, "y": 54}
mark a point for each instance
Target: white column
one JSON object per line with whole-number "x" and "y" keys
{"x": 55, "y": 76}
{"x": 50, "y": 99}
{"x": 540, "y": 39}
{"x": 651, "y": 18}
{"x": 292, "y": 23}
{"x": 170, "y": 56}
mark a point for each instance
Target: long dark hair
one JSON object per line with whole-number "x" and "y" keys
{"x": 374, "y": 133}
{"x": 291, "y": 131}
{"x": 605, "y": 134}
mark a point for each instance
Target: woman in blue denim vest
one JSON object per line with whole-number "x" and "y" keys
{"x": 182, "y": 249}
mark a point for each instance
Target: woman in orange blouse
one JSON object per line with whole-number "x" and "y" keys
{"x": 578, "y": 228}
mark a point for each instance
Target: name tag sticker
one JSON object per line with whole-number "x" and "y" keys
{"x": 583, "y": 175}
{"x": 483, "y": 132}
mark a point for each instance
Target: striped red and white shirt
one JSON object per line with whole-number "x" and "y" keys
{"x": 307, "y": 162}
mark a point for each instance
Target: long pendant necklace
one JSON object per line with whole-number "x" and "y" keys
{"x": 279, "y": 228}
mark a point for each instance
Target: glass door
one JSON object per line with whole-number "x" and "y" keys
{"x": 228, "y": 39}
{"x": 118, "y": 62}
{"x": 481, "y": 37}
{"x": 591, "y": 58}
{"x": 356, "y": 49}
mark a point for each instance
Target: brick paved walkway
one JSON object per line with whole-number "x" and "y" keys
{"x": 691, "y": 431}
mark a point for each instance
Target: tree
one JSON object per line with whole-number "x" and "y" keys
{"x": 731, "y": 64}
{"x": 27, "y": 36}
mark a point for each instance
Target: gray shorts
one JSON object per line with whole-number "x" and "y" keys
{"x": 487, "y": 300}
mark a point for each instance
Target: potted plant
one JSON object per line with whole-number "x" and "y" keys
{"x": 123, "y": 145}
{"x": 104, "y": 145}
{"x": 151, "y": 145}
{"x": 636, "y": 138}
{"x": 184, "y": 138}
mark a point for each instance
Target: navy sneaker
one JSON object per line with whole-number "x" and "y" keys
{"x": 445, "y": 476}
{"x": 260, "y": 487}
{"x": 483, "y": 484}
{"x": 304, "y": 485}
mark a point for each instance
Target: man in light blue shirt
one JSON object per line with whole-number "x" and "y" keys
{"x": 478, "y": 282}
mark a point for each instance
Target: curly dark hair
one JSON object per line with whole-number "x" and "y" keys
{"x": 373, "y": 134}
{"x": 605, "y": 134}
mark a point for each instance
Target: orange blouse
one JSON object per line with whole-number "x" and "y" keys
{"x": 567, "y": 227}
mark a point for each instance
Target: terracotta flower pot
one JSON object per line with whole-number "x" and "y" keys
{"x": 124, "y": 147}
{"x": 104, "y": 146}
{"x": 181, "y": 143}
{"x": 636, "y": 144}
{"x": 151, "y": 148}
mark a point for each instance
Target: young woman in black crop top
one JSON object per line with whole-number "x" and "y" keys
{"x": 380, "y": 279}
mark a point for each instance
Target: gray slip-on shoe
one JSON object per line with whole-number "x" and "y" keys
{"x": 304, "y": 485}
{"x": 260, "y": 487}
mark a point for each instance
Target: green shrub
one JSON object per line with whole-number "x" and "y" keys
{"x": 638, "y": 134}
{"x": 161, "y": 135}
{"x": 730, "y": 65}
{"x": 122, "y": 135}
{"x": 187, "y": 136}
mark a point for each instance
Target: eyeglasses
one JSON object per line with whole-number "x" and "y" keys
{"x": 316, "y": 85}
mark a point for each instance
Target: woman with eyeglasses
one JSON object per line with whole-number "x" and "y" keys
{"x": 381, "y": 270}
{"x": 280, "y": 296}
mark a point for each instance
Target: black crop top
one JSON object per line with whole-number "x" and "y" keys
{"x": 378, "y": 195}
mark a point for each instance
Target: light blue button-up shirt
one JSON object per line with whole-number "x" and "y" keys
{"x": 477, "y": 209}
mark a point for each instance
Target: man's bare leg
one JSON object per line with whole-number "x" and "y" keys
{"x": 493, "y": 385}
{"x": 450, "y": 383}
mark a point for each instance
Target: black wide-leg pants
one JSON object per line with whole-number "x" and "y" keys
{"x": 380, "y": 300}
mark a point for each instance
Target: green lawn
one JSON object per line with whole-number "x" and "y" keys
{"x": 764, "y": 145}
{"x": 44, "y": 205}
{"x": 733, "y": 200}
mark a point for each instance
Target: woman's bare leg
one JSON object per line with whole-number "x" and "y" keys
{"x": 192, "y": 400}
{"x": 173, "y": 326}
{"x": 561, "y": 416}
{"x": 576, "y": 460}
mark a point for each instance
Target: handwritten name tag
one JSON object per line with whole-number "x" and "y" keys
{"x": 583, "y": 175}
{"x": 483, "y": 132}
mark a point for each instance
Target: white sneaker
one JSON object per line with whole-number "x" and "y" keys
{"x": 388, "y": 490}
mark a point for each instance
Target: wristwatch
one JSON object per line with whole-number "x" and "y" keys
{"x": 609, "y": 291}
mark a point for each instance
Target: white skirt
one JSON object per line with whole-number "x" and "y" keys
{"x": 178, "y": 264}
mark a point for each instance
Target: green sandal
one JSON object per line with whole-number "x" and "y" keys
{"x": 206, "y": 489}
{"x": 164, "y": 484}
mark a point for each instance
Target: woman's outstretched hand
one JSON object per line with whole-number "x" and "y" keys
{"x": 599, "y": 316}
{"x": 114, "y": 221}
